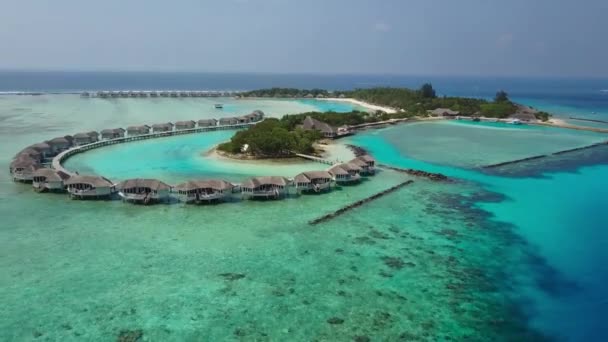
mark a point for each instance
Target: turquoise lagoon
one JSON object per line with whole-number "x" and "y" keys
{"x": 486, "y": 257}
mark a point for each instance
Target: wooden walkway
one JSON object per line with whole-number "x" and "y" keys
{"x": 318, "y": 159}
{"x": 359, "y": 203}
{"x": 63, "y": 156}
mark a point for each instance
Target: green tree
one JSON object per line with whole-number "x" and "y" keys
{"x": 501, "y": 96}
{"x": 427, "y": 91}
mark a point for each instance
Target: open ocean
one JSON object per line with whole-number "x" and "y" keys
{"x": 518, "y": 254}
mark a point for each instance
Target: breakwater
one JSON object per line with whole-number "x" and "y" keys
{"x": 590, "y": 120}
{"x": 359, "y": 203}
{"x": 491, "y": 166}
{"x": 437, "y": 177}
{"x": 582, "y": 148}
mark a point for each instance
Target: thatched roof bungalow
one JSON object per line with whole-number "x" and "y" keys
{"x": 143, "y": 190}
{"x": 22, "y": 168}
{"x": 85, "y": 138}
{"x": 113, "y": 133}
{"x": 270, "y": 187}
{"x": 46, "y": 179}
{"x": 229, "y": 121}
{"x": 138, "y": 130}
{"x": 366, "y": 163}
{"x": 445, "y": 112}
{"x": 313, "y": 181}
{"x": 82, "y": 187}
{"x": 164, "y": 127}
{"x": 313, "y": 124}
{"x": 29, "y": 153}
{"x": 59, "y": 144}
{"x": 182, "y": 125}
{"x": 44, "y": 149}
{"x": 207, "y": 123}
{"x": 197, "y": 191}
{"x": 345, "y": 173}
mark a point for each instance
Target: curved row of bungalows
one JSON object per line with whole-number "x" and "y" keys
{"x": 346, "y": 173}
{"x": 199, "y": 191}
{"x": 23, "y": 167}
{"x": 138, "y": 130}
{"x": 269, "y": 187}
{"x": 89, "y": 187}
{"x": 112, "y": 133}
{"x": 313, "y": 181}
{"x": 143, "y": 190}
{"x": 46, "y": 179}
{"x": 85, "y": 138}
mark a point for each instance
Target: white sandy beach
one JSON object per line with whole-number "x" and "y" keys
{"x": 362, "y": 104}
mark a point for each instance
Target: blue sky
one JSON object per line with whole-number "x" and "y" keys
{"x": 426, "y": 37}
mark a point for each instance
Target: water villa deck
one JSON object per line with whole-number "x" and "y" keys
{"x": 313, "y": 181}
{"x": 270, "y": 187}
{"x": 85, "y": 187}
{"x": 46, "y": 179}
{"x": 143, "y": 190}
{"x": 204, "y": 191}
{"x": 109, "y": 94}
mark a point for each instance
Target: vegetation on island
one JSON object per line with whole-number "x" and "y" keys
{"x": 271, "y": 138}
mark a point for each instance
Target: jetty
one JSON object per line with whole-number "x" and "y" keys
{"x": 590, "y": 120}
{"x": 359, "y": 203}
{"x": 317, "y": 159}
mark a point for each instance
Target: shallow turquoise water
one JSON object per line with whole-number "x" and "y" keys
{"x": 483, "y": 258}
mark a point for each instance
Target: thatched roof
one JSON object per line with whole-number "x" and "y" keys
{"x": 267, "y": 180}
{"x": 95, "y": 181}
{"x": 207, "y": 121}
{"x": 29, "y": 152}
{"x": 185, "y": 123}
{"x": 358, "y": 162}
{"x": 58, "y": 141}
{"x": 310, "y": 123}
{"x": 41, "y": 147}
{"x": 51, "y": 174}
{"x": 216, "y": 184}
{"x": 153, "y": 184}
{"x": 24, "y": 161}
{"x": 112, "y": 131}
{"x": 444, "y": 111}
{"x": 307, "y": 177}
{"x": 342, "y": 169}
{"x": 163, "y": 125}
{"x": 367, "y": 158}
{"x": 138, "y": 128}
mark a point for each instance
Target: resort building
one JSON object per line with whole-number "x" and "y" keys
{"x": 229, "y": 121}
{"x": 207, "y": 123}
{"x": 43, "y": 148}
{"x": 138, "y": 130}
{"x": 326, "y": 130}
{"x": 182, "y": 125}
{"x": 85, "y": 138}
{"x": 345, "y": 173}
{"x": 59, "y": 144}
{"x": 198, "y": 191}
{"x": 113, "y": 133}
{"x": 445, "y": 112}
{"x": 153, "y": 94}
{"x": 83, "y": 187}
{"x": 164, "y": 94}
{"x": 30, "y": 153}
{"x": 22, "y": 169}
{"x": 255, "y": 116}
{"x": 366, "y": 163}
{"x": 143, "y": 190}
{"x": 164, "y": 127}
{"x": 46, "y": 179}
{"x": 313, "y": 181}
{"x": 271, "y": 187}
{"x": 174, "y": 94}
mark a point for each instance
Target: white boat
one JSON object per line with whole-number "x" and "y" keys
{"x": 219, "y": 106}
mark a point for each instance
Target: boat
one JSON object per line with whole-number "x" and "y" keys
{"x": 514, "y": 122}
{"x": 219, "y": 106}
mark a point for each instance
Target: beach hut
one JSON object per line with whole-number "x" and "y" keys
{"x": 164, "y": 127}
{"x": 345, "y": 173}
{"x": 444, "y": 112}
{"x": 228, "y": 121}
{"x": 182, "y": 125}
{"x": 46, "y": 179}
{"x": 113, "y": 133}
{"x": 198, "y": 191}
{"x": 85, "y": 138}
{"x": 270, "y": 187}
{"x": 143, "y": 190}
{"x": 22, "y": 169}
{"x": 59, "y": 144}
{"x": 313, "y": 181}
{"x": 138, "y": 130}
{"x": 207, "y": 123}
{"x": 313, "y": 124}
{"x": 366, "y": 163}
{"x": 89, "y": 187}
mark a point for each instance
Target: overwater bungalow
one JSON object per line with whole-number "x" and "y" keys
{"x": 138, "y": 130}
{"x": 313, "y": 181}
{"x": 114, "y": 94}
{"x": 345, "y": 173}
{"x": 123, "y": 94}
{"x": 184, "y": 94}
{"x": 207, "y": 123}
{"x": 143, "y": 190}
{"x": 85, "y": 138}
{"x": 366, "y": 163}
{"x": 31, "y": 153}
{"x": 59, "y": 144}
{"x": 84, "y": 187}
{"x": 113, "y": 133}
{"x": 174, "y": 94}
{"x": 164, "y": 127}
{"x": 270, "y": 187}
{"x": 229, "y": 121}
{"x": 22, "y": 169}
{"x": 164, "y": 94}
{"x": 198, "y": 191}
{"x": 133, "y": 94}
{"x": 252, "y": 117}
{"x": 85, "y": 94}
{"x": 43, "y": 148}
{"x": 153, "y": 94}
{"x": 142, "y": 94}
{"x": 182, "y": 125}
{"x": 46, "y": 179}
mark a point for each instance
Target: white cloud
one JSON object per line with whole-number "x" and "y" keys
{"x": 381, "y": 27}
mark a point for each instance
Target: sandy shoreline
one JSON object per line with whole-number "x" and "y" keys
{"x": 362, "y": 104}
